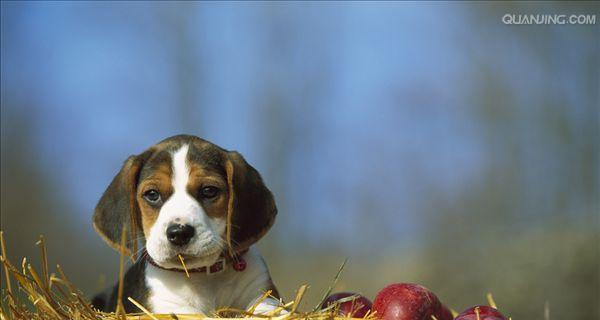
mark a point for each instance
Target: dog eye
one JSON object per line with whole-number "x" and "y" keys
{"x": 152, "y": 196}
{"x": 209, "y": 192}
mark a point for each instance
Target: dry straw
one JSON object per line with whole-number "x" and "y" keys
{"x": 53, "y": 297}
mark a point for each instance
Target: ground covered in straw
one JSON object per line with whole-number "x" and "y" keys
{"x": 51, "y": 296}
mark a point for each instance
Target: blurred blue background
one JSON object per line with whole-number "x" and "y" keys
{"x": 427, "y": 142}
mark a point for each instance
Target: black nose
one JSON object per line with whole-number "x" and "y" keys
{"x": 180, "y": 234}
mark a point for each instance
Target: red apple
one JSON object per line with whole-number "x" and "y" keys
{"x": 356, "y": 308}
{"x": 444, "y": 313}
{"x": 485, "y": 313}
{"x": 407, "y": 301}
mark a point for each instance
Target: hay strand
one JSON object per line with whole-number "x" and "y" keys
{"x": 491, "y": 301}
{"x": 184, "y": 266}
{"x": 6, "y": 275}
{"x": 120, "y": 308}
{"x": 298, "y": 298}
{"x": 331, "y": 286}
{"x": 139, "y": 305}
{"x": 259, "y": 301}
{"x": 44, "y": 255}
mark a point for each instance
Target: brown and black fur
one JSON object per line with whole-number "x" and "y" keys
{"x": 134, "y": 286}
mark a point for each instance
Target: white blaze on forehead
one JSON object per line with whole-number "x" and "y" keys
{"x": 182, "y": 208}
{"x": 181, "y": 171}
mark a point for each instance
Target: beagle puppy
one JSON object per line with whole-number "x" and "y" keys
{"x": 188, "y": 199}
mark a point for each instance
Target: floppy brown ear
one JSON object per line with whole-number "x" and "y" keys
{"x": 118, "y": 209}
{"x": 251, "y": 209}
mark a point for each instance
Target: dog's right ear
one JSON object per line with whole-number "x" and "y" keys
{"x": 118, "y": 209}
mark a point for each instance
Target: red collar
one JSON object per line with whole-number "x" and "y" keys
{"x": 238, "y": 264}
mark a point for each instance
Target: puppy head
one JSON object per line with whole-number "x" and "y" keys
{"x": 186, "y": 196}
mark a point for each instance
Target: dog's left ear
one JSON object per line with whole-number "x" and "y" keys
{"x": 251, "y": 207}
{"x": 118, "y": 209}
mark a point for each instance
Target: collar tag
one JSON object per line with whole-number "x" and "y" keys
{"x": 240, "y": 265}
